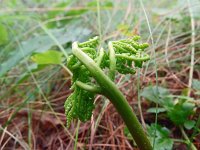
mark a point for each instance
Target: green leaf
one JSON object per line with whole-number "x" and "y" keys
{"x": 158, "y": 95}
{"x": 162, "y": 139}
{"x": 3, "y": 35}
{"x": 189, "y": 124}
{"x": 42, "y": 43}
{"x": 156, "y": 110}
{"x": 48, "y": 57}
{"x": 180, "y": 112}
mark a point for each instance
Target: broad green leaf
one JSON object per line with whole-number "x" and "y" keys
{"x": 162, "y": 139}
{"x": 3, "y": 35}
{"x": 180, "y": 112}
{"x": 189, "y": 124}
{"x": 161, "y": 131}
{"x": 42, "y": 43}
{"x": 158, "y": 95}
{"x": 48, "y": 57}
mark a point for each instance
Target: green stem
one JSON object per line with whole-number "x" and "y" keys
{"x": 76, "y": 141}
{"x": 133, "y": 58}
{"x": 112, "y": 61}
{"x": 190, "y": 144}
{"x": 90, "y": 88}
{"x": 88, "y": 42}
{"x": 110, "y": 90}
{"x": 100, "y": 57}
{"x": 64, "y": 67}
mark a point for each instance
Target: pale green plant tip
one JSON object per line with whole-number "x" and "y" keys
{"x": 93, "y": 42}
{"x": 144, "y": 45}
{"x": 91, "y": 72}
{"x": 122, "y": 54}
{"x": 136, "y": 37}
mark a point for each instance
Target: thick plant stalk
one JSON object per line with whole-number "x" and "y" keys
{"x": 110, "y": 90}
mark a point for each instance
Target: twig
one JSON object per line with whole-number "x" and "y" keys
{"x": 192, "y": 49}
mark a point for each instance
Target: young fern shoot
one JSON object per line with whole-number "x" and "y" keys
{"x": 88, "y": 66}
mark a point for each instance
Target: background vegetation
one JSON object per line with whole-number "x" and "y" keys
{"x": 165, "y": 94}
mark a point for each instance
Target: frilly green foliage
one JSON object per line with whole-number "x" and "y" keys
{"x": 129, "y": 53}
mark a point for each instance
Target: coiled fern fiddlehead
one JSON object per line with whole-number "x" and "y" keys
{"x": 89, "y": 78}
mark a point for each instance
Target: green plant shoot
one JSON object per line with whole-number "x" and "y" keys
{"x": 94, "y": 73}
